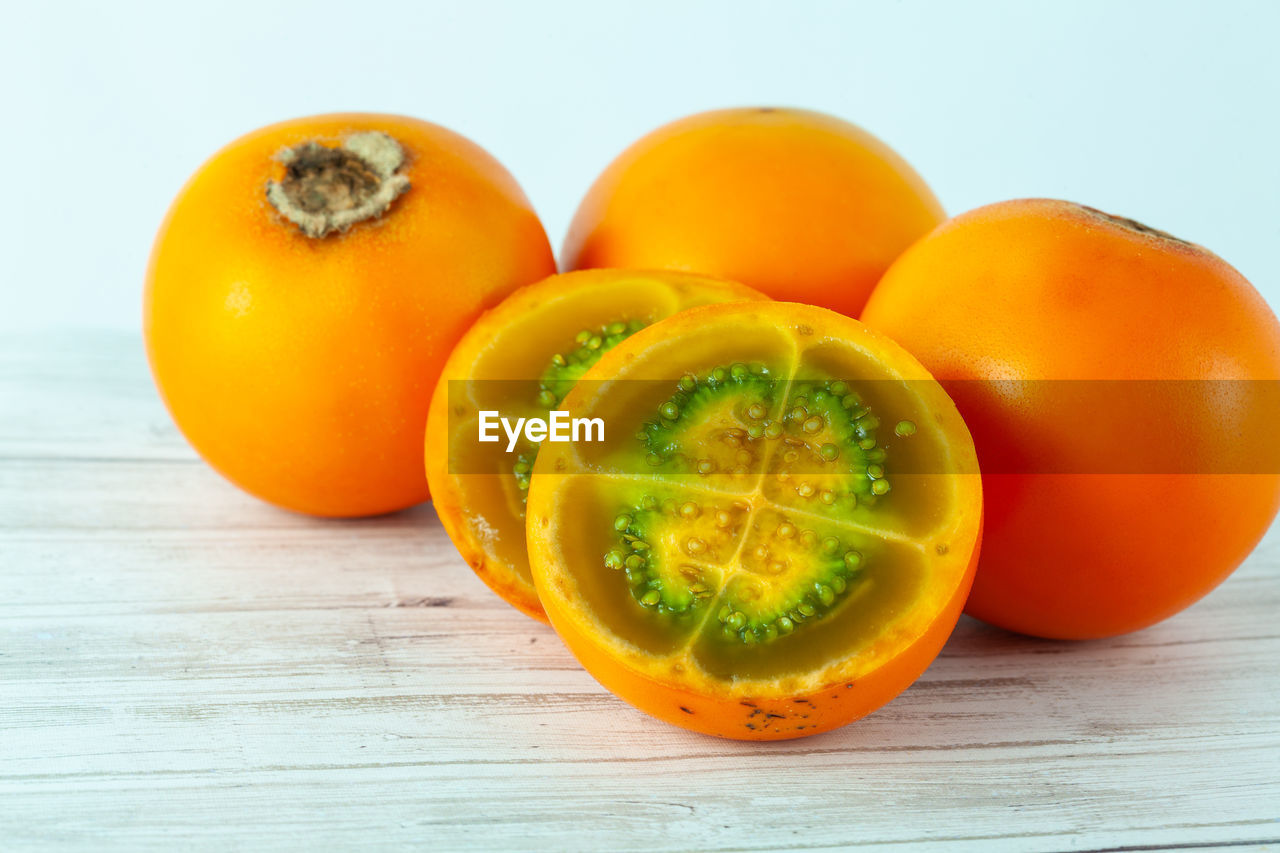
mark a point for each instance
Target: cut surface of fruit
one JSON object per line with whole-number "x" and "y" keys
{"x": 520, "y": 360}
{"x": 776, "y": 535}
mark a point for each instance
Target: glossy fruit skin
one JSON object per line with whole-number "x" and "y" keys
{"x": 536, "y": 312}
{"x": 755, "y": 711}
{"x": 301, "y": 368}
{"x": 1041, "y": 289}
{"x": 802, "y": 206}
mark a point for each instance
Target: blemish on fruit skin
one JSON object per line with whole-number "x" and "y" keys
{"x": 686, "y": 710}
{"x": 239, "y": 300}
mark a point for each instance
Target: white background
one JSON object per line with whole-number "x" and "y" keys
{"x": 1165, "y": 112}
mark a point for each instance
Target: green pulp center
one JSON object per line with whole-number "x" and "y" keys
{"x": 730, "y": 422}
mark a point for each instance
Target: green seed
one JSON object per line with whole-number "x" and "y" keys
{"x": 773, "y": 430}
{"x": 825, "y": 594}
{"x": 669, "y": 410}
{"x": 852, "y": 559}
{"x": 614, "y": 559}
{"x": 814, "y": 424}
{"x": 622, "y": 522}
{"x": 880, "y": 487}
{"x": 875, "y": 472}
{"x": 905, "y": 428}
{"x": 635, "y": 561}
{"x": 650, "y": 598}
{"x": 829, "y": 452}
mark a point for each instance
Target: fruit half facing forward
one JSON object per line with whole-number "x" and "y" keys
{"x": 776, "y": 535}
{"x": 520, "y": 359}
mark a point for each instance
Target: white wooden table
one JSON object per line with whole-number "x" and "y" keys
{"x": 183, "y": 666}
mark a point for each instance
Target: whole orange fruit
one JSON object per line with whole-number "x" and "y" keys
{"x": 1120, "y": 384}
{"x": 802, "y": 206}
{"x": 304, "y": 292}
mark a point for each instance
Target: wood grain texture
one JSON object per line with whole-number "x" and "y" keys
{"x": 182, "y": 666}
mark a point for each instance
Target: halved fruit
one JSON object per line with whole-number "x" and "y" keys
{"x": 519, "y": 360}
{"x": 778, "y": 531}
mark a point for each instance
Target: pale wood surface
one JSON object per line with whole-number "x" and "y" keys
{"x": 183, "y": 666}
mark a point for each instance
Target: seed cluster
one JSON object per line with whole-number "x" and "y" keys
{"x": 839, "y": 568}
{"x": 636, "y": 557}
{"x": 831, "y": 422}
{"x": 563, "y": 372}
{"x": 826, "y": 428}
{"x": 751, "y": 383}
{"x": 588, "y": 346}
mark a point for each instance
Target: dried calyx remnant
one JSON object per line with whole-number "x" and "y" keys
{"x": 1134, "y": 225}
{"x": 326, "y": 190}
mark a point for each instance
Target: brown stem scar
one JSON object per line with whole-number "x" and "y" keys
{"x": 1134, "y": 225}
{"x": 327, "y": 190}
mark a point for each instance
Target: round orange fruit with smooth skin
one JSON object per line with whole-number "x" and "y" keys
{"x": 1121, "y": 388}
{"x": 304, "y": 292}
{"x": 520, "y": 359}
{"x": 777, "y": 531}
{"x": 802, "y": 206}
